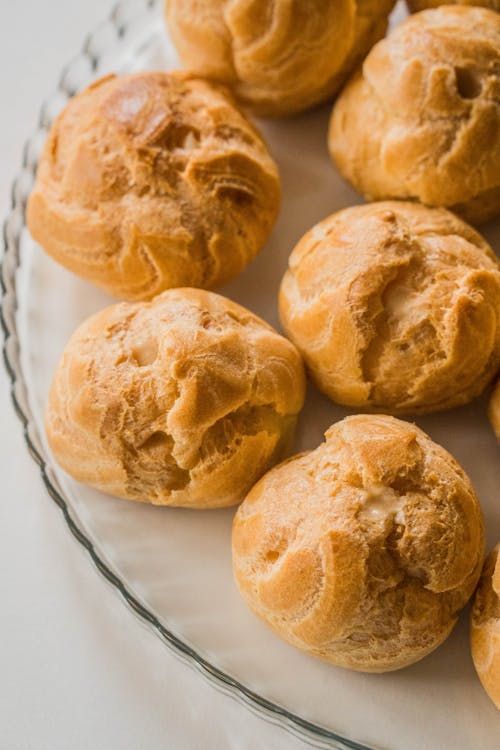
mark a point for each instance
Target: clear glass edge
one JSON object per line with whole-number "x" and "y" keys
{"x": 303, "y": 729}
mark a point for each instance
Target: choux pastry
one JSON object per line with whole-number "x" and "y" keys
{"x": 151, "y": 181}
{"x": 395, "y": 307}
{"x": 280, "y": 57}
{"x": 363, "y": 551}
{"x": 185, "y": 400}
{"x": 420, "y": 119}
{"x": 485, "y": 627}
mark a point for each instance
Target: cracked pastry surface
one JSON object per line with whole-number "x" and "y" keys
{"x": 152, "y": 181}
{"x": 485, "y": 627}
{"x": 395, "y": 307}
{"x": 362, "y": 551}
{"x": 278, "y": 57}
{"x": 494, "y": 410}
{"x": 431, "y": 94}
{"x": 186, "y": 400}
{"x": 417, "y": 5}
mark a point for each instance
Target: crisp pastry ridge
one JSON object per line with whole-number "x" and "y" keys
{"x": 185, "y": 400}
{"x": 431, "y": 93}
{"x": 280, "y": 57}
{"x": 151, "y": 181}
{"x": 362, "y": 551}
{"x": 395, "y": 307}
{"x": 485, "y": 627}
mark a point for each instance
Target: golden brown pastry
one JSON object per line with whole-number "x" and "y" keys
{"x": 363, "y": 551}
{"x": 485, "y": 627}
{"x": 279, "y": 57}
{"x": 494, "y": 410}
{"x": 416, "y": 5}
{"x": 395, "y": 307}
{"x": 186, "y": 400}
{"x": 421, "y": 119}
{"x": 152, "y": 181}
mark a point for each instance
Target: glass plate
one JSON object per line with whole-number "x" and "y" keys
{"x": 173, "y": 567}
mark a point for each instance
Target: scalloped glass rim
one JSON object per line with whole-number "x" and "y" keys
{"x": 75, "y": 76}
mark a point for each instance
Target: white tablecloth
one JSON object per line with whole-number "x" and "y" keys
{"x": 77, "y": 669}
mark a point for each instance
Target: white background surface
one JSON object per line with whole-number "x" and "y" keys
{"x": 77, "y": 669}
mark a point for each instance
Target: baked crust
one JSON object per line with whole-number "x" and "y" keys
{"x": 430, "y": 92}
{"x": 362, "y": 551}
{"x": 186, "y": 400}
{"x": 278, "y": 57}
{"x": 485, "y": 627}
{"x": 152, "y": 181}
{"x": 395, "y": 307}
